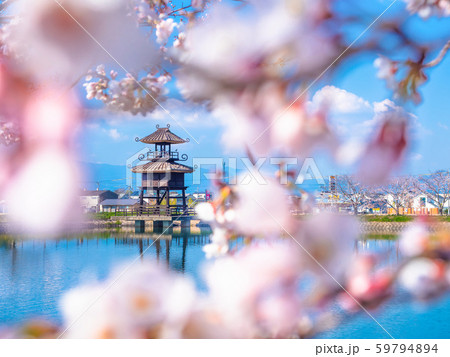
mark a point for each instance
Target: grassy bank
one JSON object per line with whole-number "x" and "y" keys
{"x": 372, "y": 236}
{"x": 387, "y": 218}
{"x": 393, "y": 218}
{"x": 104, "y": 216}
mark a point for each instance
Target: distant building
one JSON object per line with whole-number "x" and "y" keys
{"x": 421, "y": 204}
{"x": 121, "y": 192}
{"x": 110, "y": 205}
{"x": 332, "y": 185}
{"x": 202, "y": 196}
{"x": 131, "y": 194}
{"x": 90, "y": 200}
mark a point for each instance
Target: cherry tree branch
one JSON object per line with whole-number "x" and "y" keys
{"x": 440, "y": 56}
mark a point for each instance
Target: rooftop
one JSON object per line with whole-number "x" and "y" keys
{"x": 119, "y": 202}
{"x": 162, "y": 167}
{"x": 163, "y": 136}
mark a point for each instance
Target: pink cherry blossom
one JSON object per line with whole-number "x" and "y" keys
{"x": 414, "y": 240}
{"x": 262, "y": 208}
{"x": 205, "y": 211}
{"x": 142, "y": 301}
{"x": 366, "y": 286}
{"x": 256, "y": 290}
{"x": 45, "y": 154}
{"x": 423, "y": 277}
{"x": 386, "y": 150}
{"x": 327, "y": 242}
{"x": 218, "y": 245}
{"x": 69, "y": 36}
{"x": 427, "y": 8}
{"x": 387, "y": 70}
{"x": 227, "y": 50}
{"x": 164, "y": 29}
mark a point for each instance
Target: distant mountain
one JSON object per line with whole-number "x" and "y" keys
{"x": 313, "y": 185}
{"x": 103, "y": 176}
{"x": 112, "y": 177}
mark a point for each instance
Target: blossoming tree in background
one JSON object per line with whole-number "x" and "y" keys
{"x": 256, "y": 63}
{"x": 436, "y": 186}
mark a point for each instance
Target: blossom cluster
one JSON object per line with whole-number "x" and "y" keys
{"x": 129, "y": 94}
{"x": 407, "y": 87}
{"x": 427, "y": 8}
{"x": 71, "y": 35}
{"x": 425, "y": 275}
{"x": 227, "y": 52}
{"x": 149, "y": 302}
{"x": 46, "y": 121}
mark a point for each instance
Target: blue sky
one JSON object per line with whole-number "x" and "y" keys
{"x": 110, "y": 139}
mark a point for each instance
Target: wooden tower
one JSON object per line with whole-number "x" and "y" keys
{"x": 162, "y": 172}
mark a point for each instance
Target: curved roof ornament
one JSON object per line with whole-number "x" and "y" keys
{"x": 163, "y": 136}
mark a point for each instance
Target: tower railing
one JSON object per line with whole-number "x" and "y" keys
{"x": 151, "y": 155}
{"x": 173, "y": 184}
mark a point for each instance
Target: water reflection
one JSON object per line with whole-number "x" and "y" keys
{"x": 34, "y": 273}
{"x": 387, "y": 250}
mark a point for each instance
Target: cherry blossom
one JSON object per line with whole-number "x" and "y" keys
{"x": 262, "y": 202}
{"x": 48, "y": 124}
{"x": 146, "y": 301}
{"x": 414, "y": 240}
{"x": 198, "y": 4}
{"x": 70, "y": 35}
{"x": 366, "y": 285}
{"x": 164, "y": 29}
{"x": 130, "y": 94}
{"x": 387, "y": 70}
{"x": 427, "y": 8}
{"x": 327, "y": 242}
{"x": 218, "y": 245}
{"x": 255, "y": 292}
{"x": 205, "y": 211}
{"x": 268, "y": 120}
{"x": 251, "y": 47}
{"x": 386, "y": 150}
{"x": 423, "y": 277}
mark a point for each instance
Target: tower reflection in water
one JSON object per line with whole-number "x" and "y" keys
{"x": 34, "y": 273}
{"x": 164, "y": 240}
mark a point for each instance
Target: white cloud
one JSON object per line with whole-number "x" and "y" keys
{"x": 353, "y": 117}
{"x": 443, "y": 126}
{"x": 384, "y": 106}
{"x": 339, "y": 100}
{"x": 114, "y": 134}
{"x": 416, "y": 156}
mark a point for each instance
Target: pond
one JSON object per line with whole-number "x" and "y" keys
{"x": 35, "y": 273}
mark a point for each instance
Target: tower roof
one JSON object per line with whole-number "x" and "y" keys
{"x": 162, "y": 136}
{"x": 162, "y": 167}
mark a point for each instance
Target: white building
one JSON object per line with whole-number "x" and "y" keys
{"x": 421, "y": 204}
{"x": 90, "y": 200}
